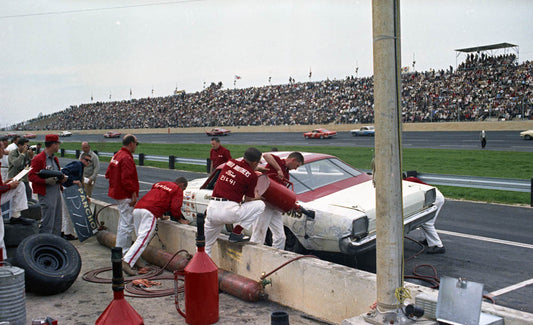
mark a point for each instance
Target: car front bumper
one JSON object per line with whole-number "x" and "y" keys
{"x": 351, "y": 247}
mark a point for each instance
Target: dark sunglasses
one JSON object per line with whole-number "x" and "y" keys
{"x": 87, "y": 160}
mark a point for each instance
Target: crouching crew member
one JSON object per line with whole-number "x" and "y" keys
{"x": 272, "y": 217}
{"x": 163, "y": 197}
{"x": 237, "y": 179}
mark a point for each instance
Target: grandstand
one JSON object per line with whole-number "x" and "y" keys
{"x": 482, "y": 87}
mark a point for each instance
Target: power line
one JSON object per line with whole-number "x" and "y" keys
{"x": 49, "y": 13}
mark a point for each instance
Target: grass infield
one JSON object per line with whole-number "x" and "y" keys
{"x": 504, "y": 164}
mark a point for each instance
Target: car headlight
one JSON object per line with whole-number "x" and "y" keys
{"x": 359, "y": 228}
{"x": 429, "y": 197}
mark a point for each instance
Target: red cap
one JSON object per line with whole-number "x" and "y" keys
{"x": 52, "y": 138}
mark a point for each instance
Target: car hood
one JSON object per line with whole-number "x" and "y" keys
{"x": 362, "y": 197}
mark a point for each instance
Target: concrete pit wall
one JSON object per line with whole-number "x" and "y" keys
{"x": 322, "y": 289}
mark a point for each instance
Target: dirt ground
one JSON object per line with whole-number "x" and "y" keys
{"x": 84, "y": 301}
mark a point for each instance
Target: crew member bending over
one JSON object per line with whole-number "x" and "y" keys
{"x": 278, "y": 169}
{"x": 237, "y": 179}
{"x": 163, "y": 197}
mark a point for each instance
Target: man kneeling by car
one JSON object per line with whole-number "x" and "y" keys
{"x": 237, "y": 179}
{"x": 163, "y": 197}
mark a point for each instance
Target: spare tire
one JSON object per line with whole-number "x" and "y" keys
{"x": 51, "y": 263}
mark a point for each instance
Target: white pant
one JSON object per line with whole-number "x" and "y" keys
{"x": 220, "y": 213}
{"x": 145, "y": 223}
{"x": 125, "y": 225}
{"x": 66, "y": 224}
{"x": 429, "y": 227}
{"x": 19, "y": 202}
{"x": 271, "y": 218}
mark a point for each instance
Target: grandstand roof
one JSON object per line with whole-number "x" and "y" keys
{"x": 486, "y": 47}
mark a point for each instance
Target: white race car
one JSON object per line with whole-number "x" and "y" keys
{"x": 341, "y": 200}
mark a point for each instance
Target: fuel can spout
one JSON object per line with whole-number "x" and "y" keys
{"x": 119, "y": 311}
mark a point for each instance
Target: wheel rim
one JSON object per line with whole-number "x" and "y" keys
{"x": 48, "y": 257}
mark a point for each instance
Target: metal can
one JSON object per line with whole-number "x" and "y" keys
{"x": 38, "y": 321}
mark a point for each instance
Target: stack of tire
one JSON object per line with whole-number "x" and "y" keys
{"x": 51, "y": 264}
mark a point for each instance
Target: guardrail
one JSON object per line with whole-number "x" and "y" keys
{"x": 490, "y": 183}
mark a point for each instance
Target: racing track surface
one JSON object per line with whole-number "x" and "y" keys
{"x": 468, "y": 140}
{"x": 501, "y": 255}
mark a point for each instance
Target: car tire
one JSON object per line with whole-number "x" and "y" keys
{"x": 306, "y": 136}
{"x": 51, "y": 263}
{"x": 321, "y": 137}
{"x": 527, "y": 137}
{"x": 292, "y": 244}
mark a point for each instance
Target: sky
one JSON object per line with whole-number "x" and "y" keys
{"x": 58, "y": 53}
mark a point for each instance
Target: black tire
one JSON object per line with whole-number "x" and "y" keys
{"x": 321, "y": 137}
{"x": 51, "y": 263}
{"x": 16, "y": 233}
{"x": 527, "y": 137}
{"x": 292, "y": 243}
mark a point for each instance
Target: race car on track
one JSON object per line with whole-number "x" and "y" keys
{"x": 65, "y": 134}
{"x": 29, "y": 136}
{"x": 112, "y": 134}
{"x": 218, "y": 132}
{"x": 363, "y": 131}
{"x": 320, "y": 134}
{"x": 341, "y": 199}
{"x": 526, "y": 135}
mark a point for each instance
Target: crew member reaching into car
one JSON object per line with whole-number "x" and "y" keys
{"x": 163, "y": 197}
{"x": 237, "y": 179}
{"x": 278, "y": 170}
{"x": 432, "y": 240}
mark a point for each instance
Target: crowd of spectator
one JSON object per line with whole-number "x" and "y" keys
{"x": 481, "y": 87}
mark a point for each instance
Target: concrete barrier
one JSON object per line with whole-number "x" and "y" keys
{"x": 325, "y": 290}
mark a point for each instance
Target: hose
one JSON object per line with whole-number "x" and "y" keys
{"x": 284, "y": 264}
{"x": 137, "y": 292}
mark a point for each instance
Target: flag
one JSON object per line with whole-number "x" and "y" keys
{"x": 310, "y": 73}
{"x": 237, "y": 77}
{"x": 131, "y": 92}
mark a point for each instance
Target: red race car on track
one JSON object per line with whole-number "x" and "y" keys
{"x": 320, "y": 134}
{"x": 29, "y": 136}
{"x": 218, "y": 132}
{"x": 112, "y": 134}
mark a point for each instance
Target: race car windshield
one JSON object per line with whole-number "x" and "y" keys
{"x": 321, "y": 173}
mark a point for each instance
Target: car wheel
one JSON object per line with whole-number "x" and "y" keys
{"x": 321, "y": 137}
{"x": 354, "y": 134}
{"x": 527, "y": 137}
{"x": 51, "y": 263}
{"x": 306, "y": 136}
{"x": 292, "y": 243}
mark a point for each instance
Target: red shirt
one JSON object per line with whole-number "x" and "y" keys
{"x": 236, "y": 179}
{"x": 163, "y": 197}
{"x": 122, "y": 175}
{"x": 37, "y": 163}
{"x": 219, "y": 156}
{"x": 273, "y": 173}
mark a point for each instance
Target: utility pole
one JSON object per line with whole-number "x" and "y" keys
{"x": 388, "y": 176}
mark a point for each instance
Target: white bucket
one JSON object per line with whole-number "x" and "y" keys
{"x": 12, "y": 297}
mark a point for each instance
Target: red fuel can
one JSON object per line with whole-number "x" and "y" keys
{"x": 276, "y": 194}
{"x": 201, "y": 285}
